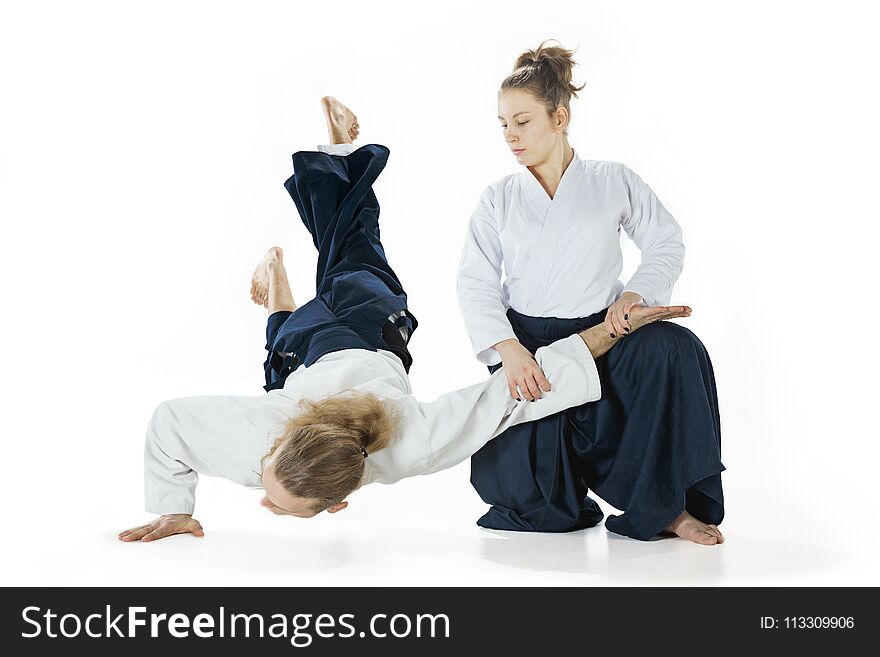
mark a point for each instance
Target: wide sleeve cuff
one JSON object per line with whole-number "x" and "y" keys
{"x": 488, "y": 355}
{"x": 574, "y": 348}
{"x": 160, "y": 512}
{"x": 336, "y": 149}
{"x": 645, "y": 300}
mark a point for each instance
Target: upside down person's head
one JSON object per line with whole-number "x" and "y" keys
{"x": 318, "y": 459}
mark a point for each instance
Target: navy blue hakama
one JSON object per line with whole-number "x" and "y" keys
{"x": 651, "y": 446}
{"x": 356, "y": 291}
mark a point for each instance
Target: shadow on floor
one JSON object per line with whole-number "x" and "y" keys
{"x": 670, "y": 561}
{"x": 601, "y": 556}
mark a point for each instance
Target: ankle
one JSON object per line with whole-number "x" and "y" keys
{"x": 676, "y": 524}
{"x": 341, "y": 137}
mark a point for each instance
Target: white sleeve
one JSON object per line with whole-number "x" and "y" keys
{"x": 219, "y": 436}
{"x": 336, "y": 149}
{"x": 458, "y": 424}
{"x": 658, "y": 237}
{"x": 480, "y": 295}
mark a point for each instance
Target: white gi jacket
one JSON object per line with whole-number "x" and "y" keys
{"x": 227, "y": 436}
{"x": 561, "y": 257}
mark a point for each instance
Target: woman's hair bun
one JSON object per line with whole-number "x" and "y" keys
{"x": 546, "y": 72}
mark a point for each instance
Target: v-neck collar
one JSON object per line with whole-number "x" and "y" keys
{"x": 537, "y": 192}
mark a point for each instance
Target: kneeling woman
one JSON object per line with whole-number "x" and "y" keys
{"x": 652, "y": 445}
{"x": 338, "y": 410}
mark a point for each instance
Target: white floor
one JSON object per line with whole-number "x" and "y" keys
{"x": 411, "y": 535}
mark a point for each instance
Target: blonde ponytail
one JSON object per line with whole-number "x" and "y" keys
{"x": 321, "y": 450}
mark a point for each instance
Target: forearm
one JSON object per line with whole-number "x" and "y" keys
{"x": 211, "y": 435}
{"x": 486, "y": 323}
{"x": 169, "y": 482}
{"x": 481, "y": 295}
{"x": 597, "y": 340}
{"x": 458, "y": 424}
{"x": 167, "y": 492}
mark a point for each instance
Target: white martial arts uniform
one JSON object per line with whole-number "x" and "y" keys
{"x": 227, "y": 436}
{"x": 561, "y": 256}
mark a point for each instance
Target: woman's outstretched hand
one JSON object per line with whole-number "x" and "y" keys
{"x": 617, "y": 318}
{"x": 174, "y": 523}
{"x": 522, "y": 371}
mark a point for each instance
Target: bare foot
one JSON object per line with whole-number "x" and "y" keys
{"x": 342, "y": 124}
{"x": 260, "y": 279}
{"x": 691, "y": 529}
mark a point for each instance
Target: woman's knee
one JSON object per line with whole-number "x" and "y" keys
{"x": 665, "y": 336}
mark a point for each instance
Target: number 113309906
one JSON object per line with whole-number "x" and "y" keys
{"x": 808, "y": 623}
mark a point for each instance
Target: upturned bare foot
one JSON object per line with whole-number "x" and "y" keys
{"x": 342, "y": 124}
{"x": 691, "y": 529}
{"x": 260, "y": 279}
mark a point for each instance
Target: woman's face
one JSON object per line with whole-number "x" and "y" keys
{"x": 531, "y": 134}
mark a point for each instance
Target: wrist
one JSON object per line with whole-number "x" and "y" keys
{"x": 597, "y": 340}
{"x": 505, "y": 345}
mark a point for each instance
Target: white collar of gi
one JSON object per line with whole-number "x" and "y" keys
{"x": 539, "y": 194}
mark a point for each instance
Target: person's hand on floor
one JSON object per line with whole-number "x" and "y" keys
{"x": 522, "y": 371}
{"x": 175, "y": 523}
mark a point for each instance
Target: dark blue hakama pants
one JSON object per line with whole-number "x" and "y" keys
{"x": 651, "y": 446}
{"x": 356, "y": 291}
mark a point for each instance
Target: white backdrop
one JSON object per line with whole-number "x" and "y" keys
{"x": 142, "y": 154}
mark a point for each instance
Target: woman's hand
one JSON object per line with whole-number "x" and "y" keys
{"x": 174, "y": 523}
{"x": 522, "y": 371}
{"x": 617, "y": 318}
